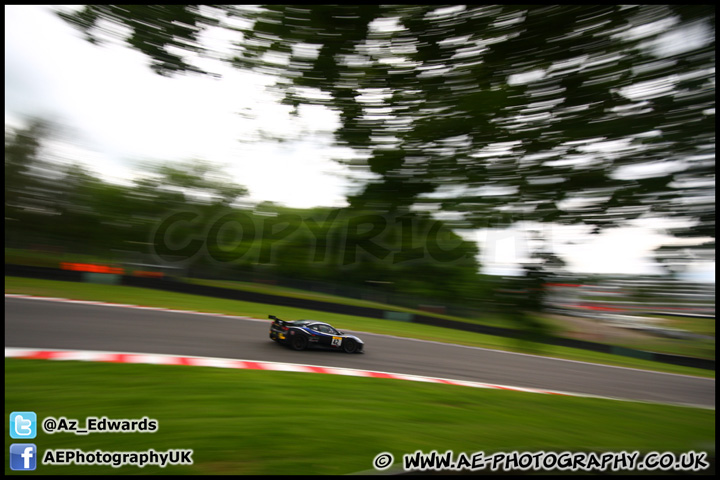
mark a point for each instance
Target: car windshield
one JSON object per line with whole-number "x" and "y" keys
{"x": 320, "y": 327}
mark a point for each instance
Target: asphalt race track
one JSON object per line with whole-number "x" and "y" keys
{"x": 43, "y": 324}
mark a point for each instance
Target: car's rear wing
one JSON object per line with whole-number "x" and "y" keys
{"x": 273, "y": 317}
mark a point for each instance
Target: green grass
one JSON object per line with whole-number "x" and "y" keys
{"x": 289, "y": 292}
{"x": 493, "y": 320}
{"x": 258, "y": 422}
{"x": 697, "y": 325}
{"x": 155, "y": 298}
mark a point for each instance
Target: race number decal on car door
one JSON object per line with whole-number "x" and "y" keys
{"x": 336, "y": 341}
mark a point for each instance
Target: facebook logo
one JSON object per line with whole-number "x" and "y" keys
{"x": 22, "y": 456}
{"x": 23, "y": 425}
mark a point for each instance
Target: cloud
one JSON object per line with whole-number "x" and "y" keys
{"x": 121, "y": 114}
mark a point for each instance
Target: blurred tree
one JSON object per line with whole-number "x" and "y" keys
{"x": 681, "y": 259}
{"x": 50, "y": 204}
{"x": 595, "y": 114}
{"x": 194, "y": 181}
{"x": 592, "y": 114}
{"x": 26, "y": 171}
{"x": 160, "y": 31}
{"x": 169, "y": 188}
{"x": 408, "y": 252}
{"x": 31, "y": 185}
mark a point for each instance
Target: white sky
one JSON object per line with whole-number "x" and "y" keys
{"x": 121, "y": 113}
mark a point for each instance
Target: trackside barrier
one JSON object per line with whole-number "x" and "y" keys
{"x": 168, "y": 284}
{"x": 398, "y": 316}
{"x": 102, "y": 278}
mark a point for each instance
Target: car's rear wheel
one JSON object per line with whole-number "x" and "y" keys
{"x": 299, "y": 342}
{"x": 350, "y": 346}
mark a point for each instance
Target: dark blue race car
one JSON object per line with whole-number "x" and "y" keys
{"x": 302, "y": 334}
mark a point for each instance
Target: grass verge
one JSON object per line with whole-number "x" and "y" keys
{"x": 262, "y": 423}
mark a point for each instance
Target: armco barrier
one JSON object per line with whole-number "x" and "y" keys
{"x": 170, "y": 285}
{"x": 43, "y": 272}
{"x": 232, "y": 294}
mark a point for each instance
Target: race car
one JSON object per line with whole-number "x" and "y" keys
{"x": 302, "y": 334}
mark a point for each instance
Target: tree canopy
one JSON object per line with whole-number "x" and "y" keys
{"x": 571, "y": 114}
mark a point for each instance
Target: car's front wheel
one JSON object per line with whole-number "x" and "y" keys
{"x": 299, "y": 342}
{"x": 350, "y": 346}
